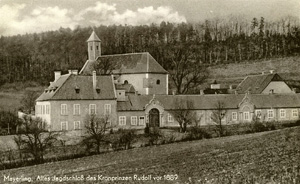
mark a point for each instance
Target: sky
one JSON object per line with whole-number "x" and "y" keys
{"x": 30, "y": 16}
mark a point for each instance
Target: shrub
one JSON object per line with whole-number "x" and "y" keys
{"x": 154, "y": 135}
{"x": 291, "y": 124}
{"x": 258, "y": 127}
{"x": 127, "y": 137}
{"x": 147, "y": 129}
{"x": 198, "y": 133}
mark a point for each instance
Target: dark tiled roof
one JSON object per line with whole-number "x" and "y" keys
{"x": 257, "y": 83}
{"x": 65, "y": 88}
{"x": 206, "y": 102}
{"x": 126, "y": 64}
{"x": 127, "y": 87}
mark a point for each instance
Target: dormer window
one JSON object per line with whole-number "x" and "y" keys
{"x": 98, "y": 90}
{"x": 77, "y": 90}
{"x": 125, "y": 82}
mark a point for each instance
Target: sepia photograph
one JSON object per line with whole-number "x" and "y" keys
{"x": 150, "y": 91}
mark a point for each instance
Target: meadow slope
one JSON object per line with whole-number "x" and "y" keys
{"x": 261, "y": 157}
{"x": 234, "y": 73}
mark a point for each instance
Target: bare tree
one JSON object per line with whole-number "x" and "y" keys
{"x": 184, "y": 113}
{"x": 96, "y": 129}
{"x": 28, "y": 101}
{"x": 186, "y": 71}
{"x": 105, "y": 66}
{"x": 34, "y": 138}
{"x": 217, "y": 116}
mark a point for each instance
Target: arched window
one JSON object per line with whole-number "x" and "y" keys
{"x": 125, "y": 82}
{"x": 158, "y": 82}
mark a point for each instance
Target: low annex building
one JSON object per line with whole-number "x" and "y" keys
{"x": 133, "y": 90}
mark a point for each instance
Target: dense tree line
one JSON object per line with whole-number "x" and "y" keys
{"x": 35, "y": 56}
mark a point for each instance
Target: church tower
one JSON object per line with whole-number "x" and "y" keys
{"x": 94, "y": 46}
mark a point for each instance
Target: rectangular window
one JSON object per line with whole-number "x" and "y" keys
{"x": 246, "y": 116}
{"x": 76, "y": 109}
{"x": 282, "y": 113}
{"x": 170, "y": 118}
{"x": 92, "y": 109}
{"x": 122, "y": 120}
{"x": 76, "y": 125}
{"x": 47, "y": 109}
{"x": 258, "y": 114}
{"x": 63, "y": 109}
{"x": 234, "y": 116}
{"x": 142, "y": 120}
{"x": 64, "y": 125}
{"x": 270, "y": 114}
{"x": 295, "y": 113}
{"x": 133, "y": 120}
{"x": 107, "y": 109}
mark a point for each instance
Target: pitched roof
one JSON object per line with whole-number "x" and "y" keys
{"x": 93, "y": 37}
{"x": 126, "y": 64}
{"x": 208, "y": 102}
{"x": 64, "y": 88}
{"x": 257, "y": 83}
{"x": 127, "y": 87}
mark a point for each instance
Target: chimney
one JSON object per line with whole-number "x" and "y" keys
{"x": 75, "y": 72}
{"x": 57, "y": 75}
{"x": 271, "y": 71}
{"x": 94, "y": 80}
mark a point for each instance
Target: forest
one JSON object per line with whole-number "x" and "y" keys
{"x": 34, "y": 57}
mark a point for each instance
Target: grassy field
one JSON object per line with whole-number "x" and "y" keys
{"x": 233, "y": 73}
{"x": 12, "y": 94}
{"x": 268, "y": 157}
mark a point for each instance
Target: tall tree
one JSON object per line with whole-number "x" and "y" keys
{"x": 183, "y": 113}
{"x": 96, "y": 128}
{"x": 34, "y": 138}
{"x": 28, "y": 101}
{"x": 217, "y": 116}
{"x": 186, "y": 72}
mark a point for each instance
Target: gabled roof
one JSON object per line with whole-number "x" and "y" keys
{"x": 126, "y": 64}
{"x": 93, "y": 37}
{"x": 208, "y": 102}
{"x": 257, "y": 83}
{"x": 64, "y": 88}
{"x": 127, "y": 87}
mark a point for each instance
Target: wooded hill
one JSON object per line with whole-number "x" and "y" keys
{"x": 34, "y": 57}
